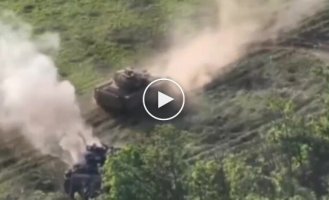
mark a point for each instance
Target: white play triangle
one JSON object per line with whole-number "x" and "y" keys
{"x": 163, "y": 99}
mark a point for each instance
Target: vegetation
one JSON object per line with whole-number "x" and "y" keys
{"x": 240, "y": 151}
{"x": 101, "y": 36}
{"x": 290, "y": 162}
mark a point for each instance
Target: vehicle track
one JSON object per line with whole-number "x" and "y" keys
{"x": 224, "y": 125}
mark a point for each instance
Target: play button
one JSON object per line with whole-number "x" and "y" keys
{"x": 163, "y": 99}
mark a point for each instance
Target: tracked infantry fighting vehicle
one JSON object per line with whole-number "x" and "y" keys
{"x": 124, "y": 92}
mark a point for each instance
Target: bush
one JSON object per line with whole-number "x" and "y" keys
{"x": 291, "y": 162}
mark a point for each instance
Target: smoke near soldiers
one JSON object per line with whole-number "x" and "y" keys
{"x": 44, "y": 108}
{"x": 34, "y": 100}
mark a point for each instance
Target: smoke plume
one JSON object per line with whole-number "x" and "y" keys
{"x": 34, "y": 99}
{"x": 194, "y": 62}
{"x": 44, "y": 108}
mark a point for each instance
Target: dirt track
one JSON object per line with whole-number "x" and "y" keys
{"x": 235, "y": 112}
{"x": 313, "y": 36}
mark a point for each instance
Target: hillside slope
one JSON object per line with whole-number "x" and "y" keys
{"x": 232, "y": 111}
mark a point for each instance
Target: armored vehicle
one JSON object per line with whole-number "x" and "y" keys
{"x": 124, "y": 92}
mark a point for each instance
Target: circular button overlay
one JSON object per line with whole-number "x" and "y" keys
{"x": 163, "y": 99}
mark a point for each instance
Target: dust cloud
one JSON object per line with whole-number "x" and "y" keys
{"x": 195, "y": 61}
{"x": 32, "y": 97}
{"x": 44, "y": 108}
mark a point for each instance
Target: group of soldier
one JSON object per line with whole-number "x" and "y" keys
{"x": 130, "y": 79}
{"x": 85, "y": 178}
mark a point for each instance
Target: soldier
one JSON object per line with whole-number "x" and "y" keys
{"x": 129, "y": 72}
{"x": 84, "y": 178}
{"x": 96, "y": 155}
{"x": 130, "y": 79}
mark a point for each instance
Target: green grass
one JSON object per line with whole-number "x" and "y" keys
{"x": 101, "y": 36}
{"x": 98, "y": 37}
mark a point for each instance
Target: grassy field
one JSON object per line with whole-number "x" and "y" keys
{"x": 98, "y": 37}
